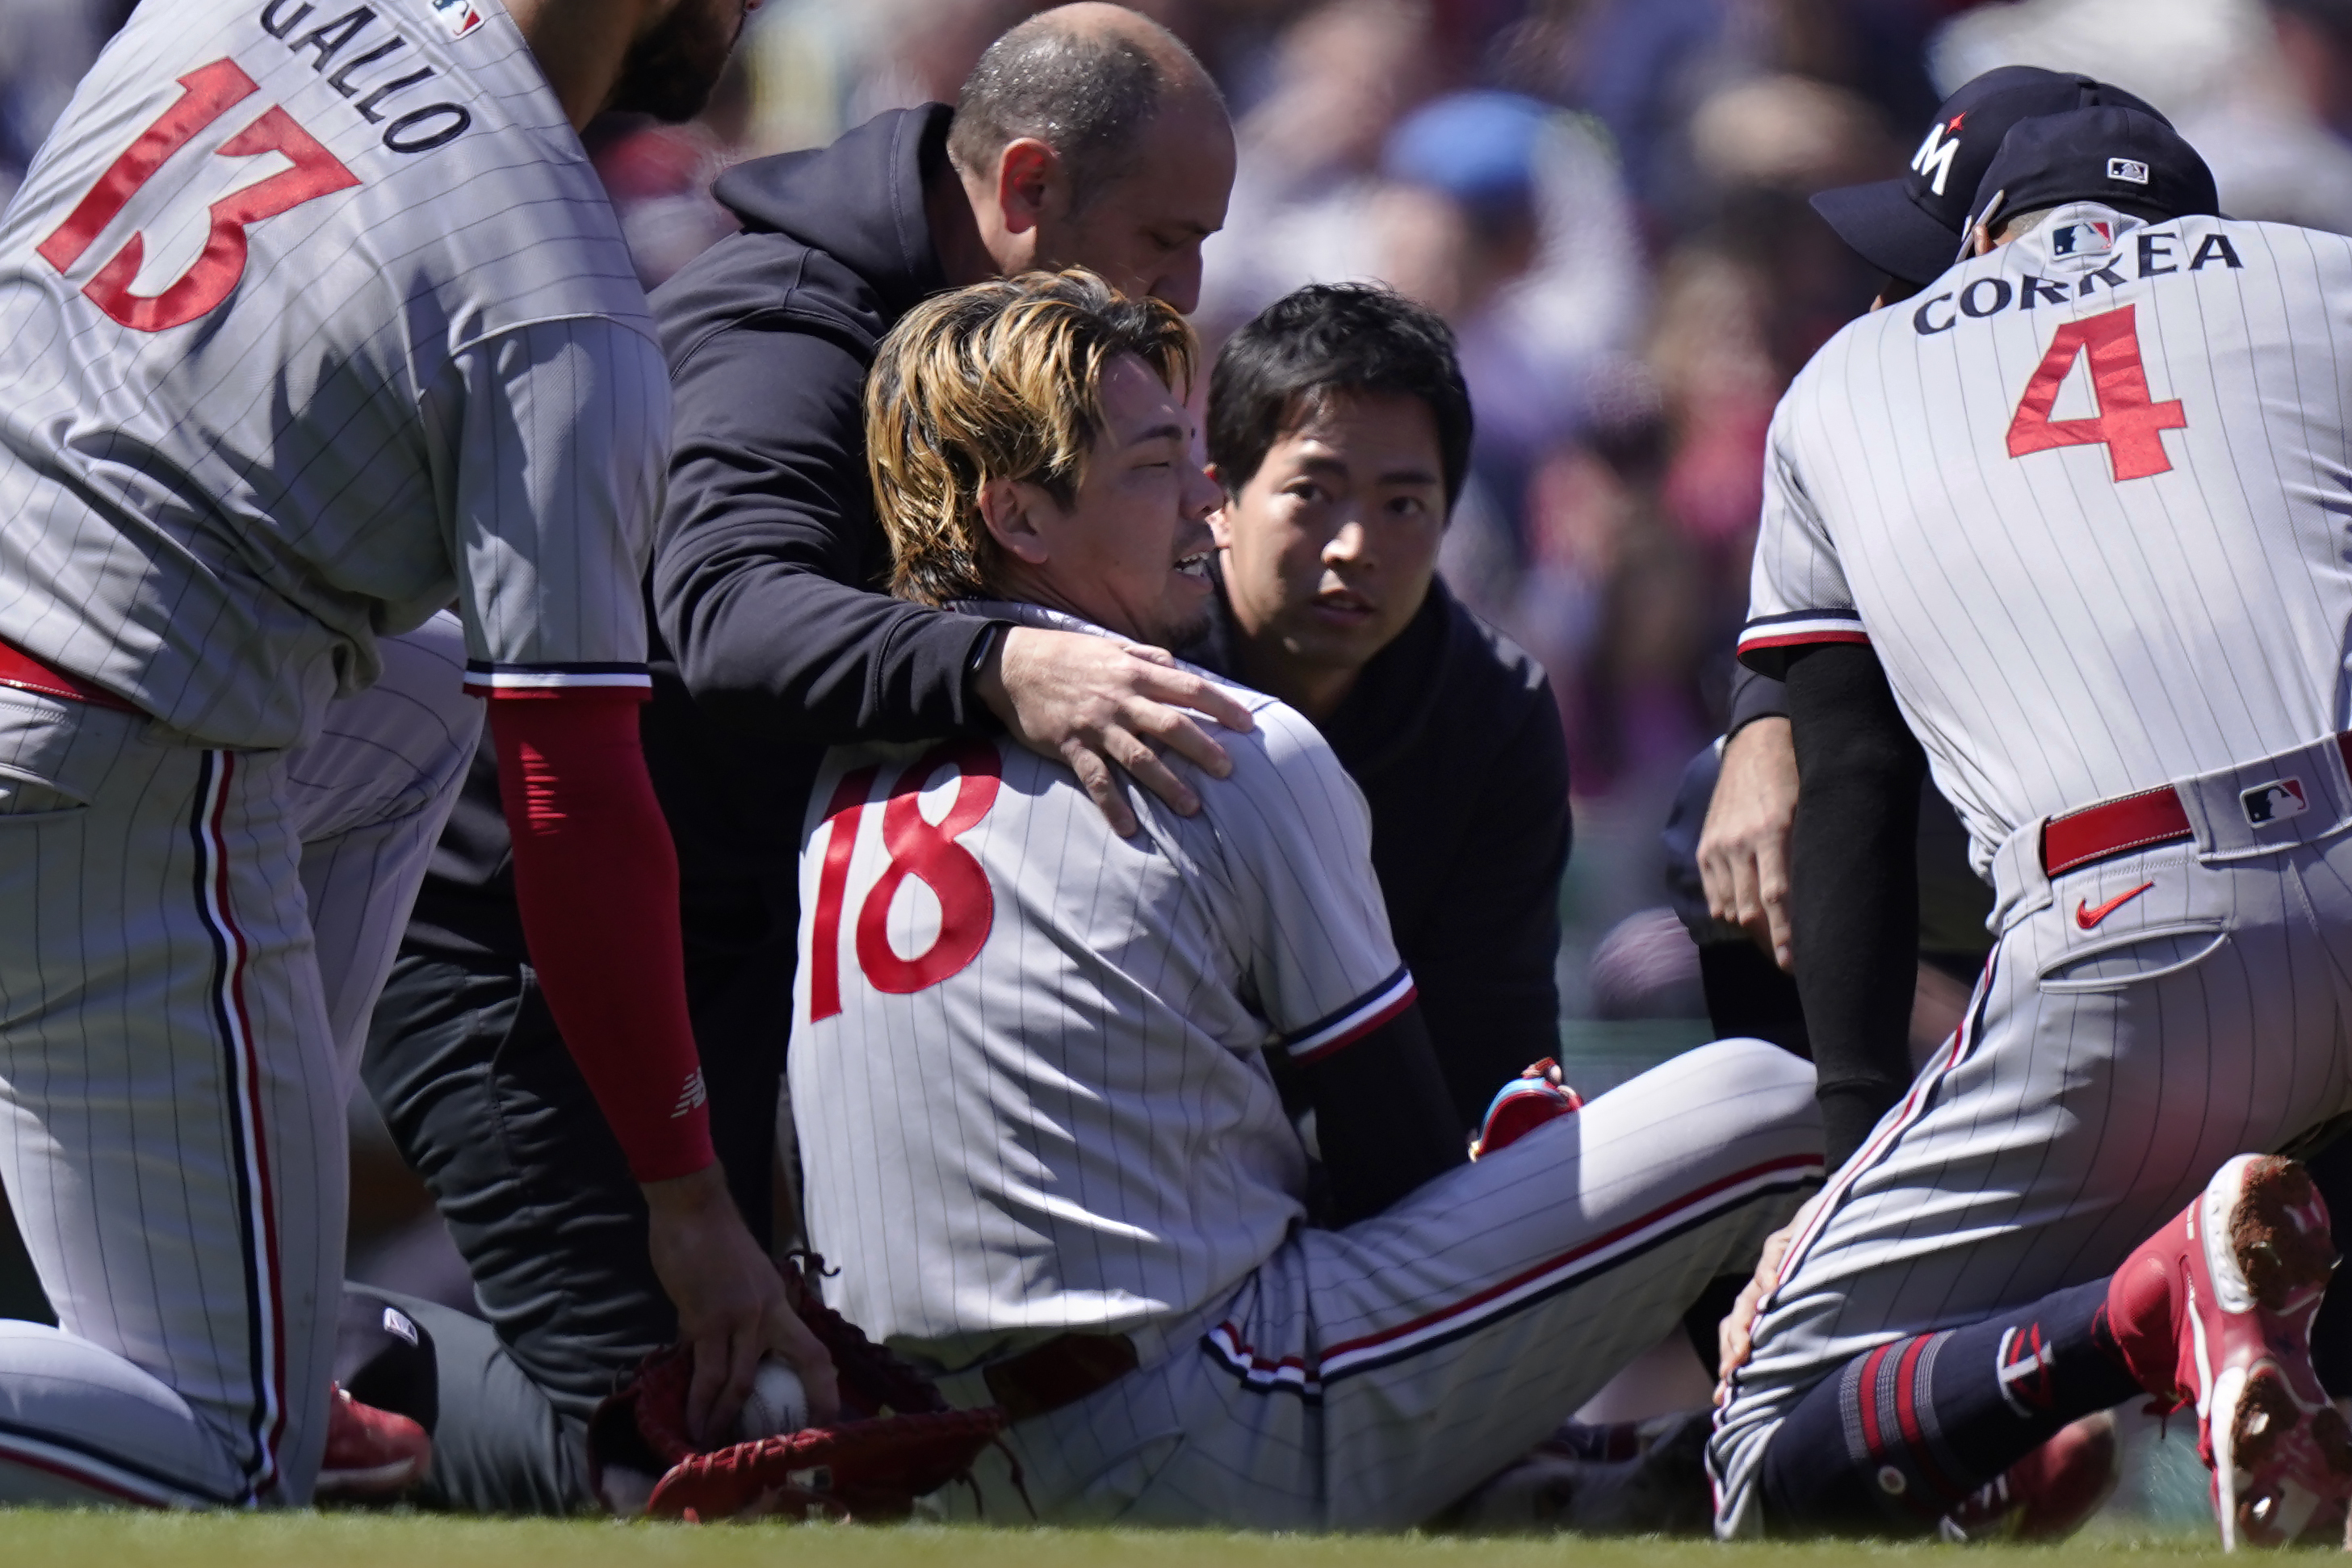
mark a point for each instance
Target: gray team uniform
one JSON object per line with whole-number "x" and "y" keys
{"x": 2085, "y": 498}
{"x": 312, "y": 323}
{"x": 1029, "y": 1075}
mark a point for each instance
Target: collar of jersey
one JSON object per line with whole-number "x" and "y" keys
{"x": 1037, "y": 616}
{"x": 2036, "y": 251}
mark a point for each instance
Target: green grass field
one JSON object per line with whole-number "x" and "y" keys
{"x": 30, "y": 1538}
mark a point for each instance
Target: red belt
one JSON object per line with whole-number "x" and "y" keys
{"x": 2117, "y": 826}
{"x": 26, "y": 673}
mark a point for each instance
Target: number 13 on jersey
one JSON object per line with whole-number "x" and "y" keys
{"x": 916, "y": 850}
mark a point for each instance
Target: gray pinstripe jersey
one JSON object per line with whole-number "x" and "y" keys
{"x": 313, "y": 318}
{"x": 1028, "y": 1057}
{"x": 2089, "y": 497}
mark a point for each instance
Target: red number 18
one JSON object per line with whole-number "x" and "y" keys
{"x": 919, "y": 849}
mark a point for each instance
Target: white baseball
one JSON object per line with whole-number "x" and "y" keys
{"x": 778, "y": 1404}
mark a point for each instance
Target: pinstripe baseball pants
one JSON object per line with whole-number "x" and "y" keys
{"x": 190, "y": 942}
{"x": 2141, "y": 1020}
{"x": 1364, "y": 1379}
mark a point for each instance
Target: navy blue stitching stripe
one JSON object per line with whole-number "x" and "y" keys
{"x": 1354, "y": 1005}
{"x": 1846, "y": 614}
{"x": 1311, "y": 1393}
{"x": 210, "y": 774}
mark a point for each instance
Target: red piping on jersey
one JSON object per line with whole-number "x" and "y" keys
{"x": 26, "y": 673}
{"x": 1803, "y": 639}
{"x": 1362, "y": 1026}
{"x": 1796, "y": 1166}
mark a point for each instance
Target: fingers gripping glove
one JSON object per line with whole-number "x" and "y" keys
{"x": 1537, "y": 1096}
{"x": 897, "y": 1439}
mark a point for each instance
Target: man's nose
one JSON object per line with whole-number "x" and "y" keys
{"x": 1181, "y": 285}
{"x": 1203, "y": 495}
{"x": 1352, "y": 544}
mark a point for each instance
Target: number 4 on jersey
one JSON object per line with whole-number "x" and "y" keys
{"x": 2129, "y": 426}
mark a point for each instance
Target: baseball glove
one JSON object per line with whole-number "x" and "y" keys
{"x": 896, "y": 1440}
{"x": 1537, "y": 1096}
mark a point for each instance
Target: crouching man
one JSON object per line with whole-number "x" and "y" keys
{"x": 1043, "y": 1146}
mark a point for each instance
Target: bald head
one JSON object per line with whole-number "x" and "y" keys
{"x": 1087, "y": 80}
{"x": 1088, "y": 136}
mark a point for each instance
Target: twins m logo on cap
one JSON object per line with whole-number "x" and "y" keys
{"x": 1935, "y": 153}
{"x": 2274, "y": 801}
{"x": 2127, "y": 168}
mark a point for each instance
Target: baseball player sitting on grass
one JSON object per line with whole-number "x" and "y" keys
{"x": 1044, "y": 1150}
{"x": 2070, "y": 521}
{"x": 310, "y": 326}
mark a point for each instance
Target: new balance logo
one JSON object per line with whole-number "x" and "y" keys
{"x": 690, "y": 1097}
{"x": 2274, "y": 801}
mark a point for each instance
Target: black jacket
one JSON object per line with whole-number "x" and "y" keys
{"x": 1453, "y": 736}
{"x": 772, "y": 641}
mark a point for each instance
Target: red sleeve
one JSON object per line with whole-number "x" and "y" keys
{"x": 596, "y": 880}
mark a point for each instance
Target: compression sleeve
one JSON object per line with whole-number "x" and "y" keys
{"x": 1854, "y": 883}
{"x": 1383, "y": 1117}
{"x": 596, "y": 880}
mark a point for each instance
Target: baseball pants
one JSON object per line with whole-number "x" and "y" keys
{"x": 1366, "y": 1378}
{"x": 190, "y": 942}
{"x": 2141, "y": 1021}
{"x": 485, "y": 1103}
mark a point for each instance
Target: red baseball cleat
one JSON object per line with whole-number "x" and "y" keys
{"x": 2216, "y": 1310}
{"x": 371, "y": 1453}
{"x": 2049, "y": 1494}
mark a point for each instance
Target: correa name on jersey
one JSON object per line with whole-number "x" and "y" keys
{"x": 374, "y": 75}
{"x": 1982, "y": 297}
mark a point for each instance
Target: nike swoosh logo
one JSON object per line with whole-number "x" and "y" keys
{"x": 2087, "y": 917}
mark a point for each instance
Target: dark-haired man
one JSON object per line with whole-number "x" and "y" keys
{"x": 1339, "y": 431}
{"x": 1030, "y": 1055}
{"x": 1088, "y": 134}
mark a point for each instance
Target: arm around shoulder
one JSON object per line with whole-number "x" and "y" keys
{"x": 768, "y": 571}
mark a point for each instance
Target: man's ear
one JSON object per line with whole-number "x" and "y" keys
{"x": 1029, "y": 182}
{"x": 1217, "y": 529}
{"x": 1008, "y": 509}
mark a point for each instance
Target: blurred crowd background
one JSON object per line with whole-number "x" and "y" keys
{"x": 1606, "y": 197}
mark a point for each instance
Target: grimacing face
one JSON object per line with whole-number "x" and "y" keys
{"x": 1130, "y": 553}
{"x": 1142, "y": 233}
{"x": 1330, "y": 546}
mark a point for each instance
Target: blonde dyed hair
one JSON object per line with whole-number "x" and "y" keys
{"x": 1000, "y": 381}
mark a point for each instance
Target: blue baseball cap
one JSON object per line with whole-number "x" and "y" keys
{"x": 1477, "y": 147}
{"x": 1910, "y": 227}
{"x": 2132, "y": 162}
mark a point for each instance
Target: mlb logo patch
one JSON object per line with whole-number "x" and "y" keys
{"x": 2082, "y": 239}
{"x": 2274, "y": 802}
{"x": 457, "y": 17}
{"x": 2130, "y": 169}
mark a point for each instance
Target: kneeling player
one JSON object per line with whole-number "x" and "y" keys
{"x": 1044, "y": 1150}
